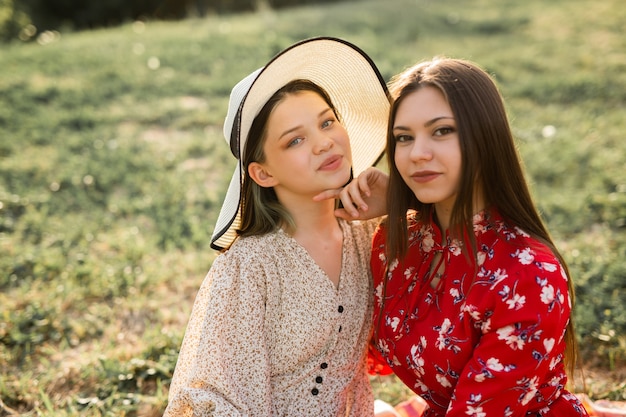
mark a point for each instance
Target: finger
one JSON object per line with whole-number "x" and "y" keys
{"x": 351, "y": 209}
{"x": 356, "y": 197}
{"x": 364, "y": 186}
{"x": 344, "y": 214}
{"x": 327, "y": 195}
{"x": 348, "y": 201}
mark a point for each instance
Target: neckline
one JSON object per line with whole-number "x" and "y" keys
{"x": 309, "y": 259}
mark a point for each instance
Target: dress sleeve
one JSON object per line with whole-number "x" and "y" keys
{"x": 522, "y": 313}
{"x": 376, "y": 365}
{"x": 223, "y": 366}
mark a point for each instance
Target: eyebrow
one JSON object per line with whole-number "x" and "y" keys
{"x": 320, "y": 114}
{"x": 427, "y": 124}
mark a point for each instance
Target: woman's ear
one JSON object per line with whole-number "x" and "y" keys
{"x": 260, "y": 175}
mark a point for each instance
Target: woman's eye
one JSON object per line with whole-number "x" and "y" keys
{"x": 294, "y": 142}
{"x": 443, "y": 131}
{"x": 403, "y": 138}
{"x": 327, "y": 123}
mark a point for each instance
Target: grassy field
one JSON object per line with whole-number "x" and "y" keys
{"x": 113, "y": 167}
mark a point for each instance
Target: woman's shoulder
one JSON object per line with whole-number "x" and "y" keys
{"x": 413, "y": 222}
{"x": 517, "y": 243}
{"x": 247, "y": 269}
{"x": 417, "y": 231}
{"x": 360, "y": 228}
{"x": 244, "y": 246}
{"x": 514, "y": 256}
{"x": 247, "y": 253}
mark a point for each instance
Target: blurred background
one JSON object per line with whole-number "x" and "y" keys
{"x": 113, "y": 168}
{"x": 27, "y": 18}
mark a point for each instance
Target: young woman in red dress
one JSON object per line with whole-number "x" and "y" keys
{"x": 472, "y": 299}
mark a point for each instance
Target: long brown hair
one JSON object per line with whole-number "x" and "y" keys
{"x": 261, "y": 211}
{"x": 490, "y": 164}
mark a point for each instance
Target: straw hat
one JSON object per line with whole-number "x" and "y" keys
{"x": 354, "y": 85}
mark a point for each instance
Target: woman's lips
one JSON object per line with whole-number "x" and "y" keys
{"x": 424, "y": 176}
{"x": 331, "y": 163}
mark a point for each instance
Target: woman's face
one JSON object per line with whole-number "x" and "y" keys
{"x": 307, "y": 150}
{"x": 428, "y": 153}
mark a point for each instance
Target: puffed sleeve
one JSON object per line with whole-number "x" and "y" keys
{"x": 223, "y": 366}
{"x": 522, "y": 311}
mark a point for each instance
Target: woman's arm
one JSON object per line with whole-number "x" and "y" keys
{"x": 518, "y": 363}
{"x": 223, "y": 366}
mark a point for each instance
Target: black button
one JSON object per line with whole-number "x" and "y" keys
{"x": 324, "y": 365}
{"x": 319, "y": 379}
{"x": 340, "y": 309}
{"x": 314, "y": 391}
{"x": 339, "y": 329}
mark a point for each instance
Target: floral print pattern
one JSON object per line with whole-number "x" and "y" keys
{"x": 271, "y": 335}
{"x": 487, "y": 339}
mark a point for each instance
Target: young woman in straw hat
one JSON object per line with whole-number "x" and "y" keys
{"x": 281, "y": 323}
{"x": 472, "y": 298}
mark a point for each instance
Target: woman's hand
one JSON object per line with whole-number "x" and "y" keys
{"x": 363, "y": 198}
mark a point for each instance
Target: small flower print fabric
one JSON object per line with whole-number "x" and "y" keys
{"x": 488, "y": 339}
{"x": 271, "y": 335}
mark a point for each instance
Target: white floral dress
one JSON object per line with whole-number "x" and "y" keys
{"x": 271, "y": 335}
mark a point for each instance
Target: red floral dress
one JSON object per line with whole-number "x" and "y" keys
{"x": 488, "y": 340}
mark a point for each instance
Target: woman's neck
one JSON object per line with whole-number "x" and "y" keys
{"x": 313, "y": 218}
{"x": 319, "y": 233}
{"x": 443, "y": 212}
{"x": 442, "y": 217}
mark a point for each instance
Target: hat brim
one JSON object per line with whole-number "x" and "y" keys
{"x": 355, "y": 87}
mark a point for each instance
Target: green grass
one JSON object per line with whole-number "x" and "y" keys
{"x": 113, "y": 167}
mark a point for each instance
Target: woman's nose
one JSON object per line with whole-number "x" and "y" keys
{"x": 421, "y": 150}
{"x": 323, "y": 143}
